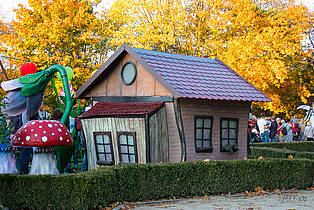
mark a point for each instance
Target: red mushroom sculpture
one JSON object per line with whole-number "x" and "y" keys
{"x": 44, "y": 135}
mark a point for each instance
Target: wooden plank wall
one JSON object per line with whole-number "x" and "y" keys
{"x": 216, "y": 109}
{"x": 113, "y": 125}
{"x": 174, "y": 139}
{"x": 144, "y": 85}
{"x": 158, "y": 137}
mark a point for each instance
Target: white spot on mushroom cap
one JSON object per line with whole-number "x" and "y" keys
{"x": 33, "y": 123}
{"x": 25, "y": 130}
{"x": 35, "y": 134}
{"x": 44, "y": 138}
{"x": 22, "y": 142}
{"x": 32, "y": 130}
{"x": 61, "y": 125}
{"x": 59, "y": 130}
{"x": 40, "y": 126}
{"x": 49, "y": 125}
{"x": 18, "y": 138}
{"x": 45, "y": 132}
{"x": 66, "y": 133}
{"x": 40, "y": 121}
{"x": 52, "y": 134}
{"x": 67, "y": 140}
{"x": 27, "y": 138}
{"x": 56, "y": 124}
{"x": 61, "y": 138}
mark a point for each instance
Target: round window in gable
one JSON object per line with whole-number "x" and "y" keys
{"x": 128, "y": 73}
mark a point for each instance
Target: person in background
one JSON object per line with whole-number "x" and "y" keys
{"x": 295, "y": 130}
{"x": 308, "y": 132}
{"x": 267, "y": 128}
{"x": 287, "y": 125}
{"x": 43, "y": 114}
{"x": 261, "y": 123}
{"x": 278, "y": 137}
{"x": 273, "y": 129}
{"x": 283, "y": 130}
{"x": 301, "y": 126}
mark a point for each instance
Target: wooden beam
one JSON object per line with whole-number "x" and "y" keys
{"x": 129, "y": 99}
{"x": 3, "y": 69}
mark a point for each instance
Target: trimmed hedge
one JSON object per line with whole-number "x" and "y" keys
{"x": 267, "y": 152}
{"x": 138, "y": 182}
{"x": 300, "y": 146}
{"x": 308, "y": 155}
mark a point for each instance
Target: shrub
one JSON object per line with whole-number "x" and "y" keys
{"x": 303, "y": 146}
{"x": 138, "y": 182}
{"x": 267, "y": 152}
{"x": 308, "y": 155}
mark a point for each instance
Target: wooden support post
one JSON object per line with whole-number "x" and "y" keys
{"x": 5, "y": 74}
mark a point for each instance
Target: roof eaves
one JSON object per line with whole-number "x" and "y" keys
{"x": 228, "y": 67}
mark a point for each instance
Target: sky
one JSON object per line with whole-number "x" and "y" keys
{"x": 6, "y": 6}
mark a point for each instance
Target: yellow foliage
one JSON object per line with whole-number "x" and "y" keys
{"x": 261, "y": 41}
{"x": 52, "y": 32}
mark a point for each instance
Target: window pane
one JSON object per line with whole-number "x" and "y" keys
{"x": 198, "y": 143}
{"x": 224, "y": 124}
{"x": 108, "y": 157}
{"x": 206, "y": 144}
{"x": 125, "y": 158}
{"x": 130, "y": 140}
{"x": 224, "y": 133}
{"x": 108, "y": 149}
{"x": 132, "y": 158}
{"x": 199, "y": 123}
{"x": 232, "y": 133}
{"x": 207, "y": 123}
{"x": 123, "y": 139}
{"x": 99, "y": 139}
{"x": 206, "y": 134}
{"x": 198, "y": 133}
{"x": 232, "y": 141}
{"x": 232, "y": 124}
{"x": 131, "y": 150}
{"x": 224, "y": 142}
{"x": 124, "y": 149}
{"x": 106, "y": 139}
{"x": 101, "y": 156}
{"x": 100, "y": 148}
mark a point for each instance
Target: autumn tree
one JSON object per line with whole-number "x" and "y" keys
{"x": 261, "y": 40}
{"x": 56, "y": 32}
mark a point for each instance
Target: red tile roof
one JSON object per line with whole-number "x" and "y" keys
{"x": 121, "y": 109}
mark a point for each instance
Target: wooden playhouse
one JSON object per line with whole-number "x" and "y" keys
{"x": 151, "y": 106}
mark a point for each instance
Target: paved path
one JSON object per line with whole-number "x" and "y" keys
{"x": 290, "y": 200}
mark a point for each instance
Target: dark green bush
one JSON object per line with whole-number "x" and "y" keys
{"x": 308, "y": 155}
{"x": 268, "y": 152}
{"x": 140, "y": 182}
{"x": 303, "y": 146}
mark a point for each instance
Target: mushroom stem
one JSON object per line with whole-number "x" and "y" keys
{"x": 7, "y": 161}
{"x": 44, "y": 162}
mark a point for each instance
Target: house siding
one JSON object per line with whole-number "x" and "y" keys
{"x": 144, "y": 85}
{"x": 174, "y": 139}
{"x": 216, "y": 109}
{"x": 113, "y": 125}
{"x": 158, "y": 132}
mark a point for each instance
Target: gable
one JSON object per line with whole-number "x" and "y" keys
{"x": 111, "y": 83}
